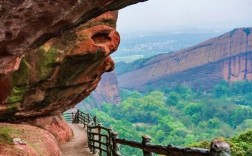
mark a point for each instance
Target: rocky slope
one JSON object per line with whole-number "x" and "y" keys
{"x": 106, "y": 91}
{"x": 51, "y": 58}
{"x": 227, "y": 57}
{"x": 34, "y": 141}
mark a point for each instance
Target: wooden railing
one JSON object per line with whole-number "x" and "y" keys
{"x": 77, "y": 116}
{"x": 99, "y": 139}
{"x": 105, "y": 142}
{"x": 98, "y": 136}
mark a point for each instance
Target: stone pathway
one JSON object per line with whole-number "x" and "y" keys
{"x": 78, "y": 145}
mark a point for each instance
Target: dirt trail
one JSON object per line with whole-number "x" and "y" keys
{"x": 78, "y": 146}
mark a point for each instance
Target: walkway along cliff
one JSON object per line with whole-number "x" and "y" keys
{"x": 105, "y": 141}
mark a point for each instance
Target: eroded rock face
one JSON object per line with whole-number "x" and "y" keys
{"x": 27, "y": 24}
{"x": 227, "y": 57}
{"x": 56, "y": 125}
{"x": 48, "y": 62}
{"x": 62, "y": 72}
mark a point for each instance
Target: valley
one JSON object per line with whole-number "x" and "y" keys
{"x": 184, "y": 98}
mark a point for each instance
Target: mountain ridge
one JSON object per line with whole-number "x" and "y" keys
{"x": 230, "y": 44}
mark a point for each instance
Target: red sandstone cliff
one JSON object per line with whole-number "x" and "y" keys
{"x": 50, "y": 59}
{"x": 52, "y": 56}
{"x": 225, "y": 57}
{"x": 106, "y": 91}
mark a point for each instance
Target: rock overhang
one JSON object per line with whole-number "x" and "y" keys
{"x": 51, "y": 56}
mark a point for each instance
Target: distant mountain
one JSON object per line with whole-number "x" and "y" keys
{"x": 227, "y": 57}
{"x": 144, "y": 45}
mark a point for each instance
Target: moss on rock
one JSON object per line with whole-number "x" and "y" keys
{"x": 21, "y": 76}
{"x": 46, "y": 62}
{"x": 16, "y": 95}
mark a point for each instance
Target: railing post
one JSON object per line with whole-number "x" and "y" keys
{"x": 89, "y": 137}
{"x": 99, "y": 139}
{"x": 95, "y": 120}
{"x": 75, "y": 117}
{"x": 219, "y": 148}
{"x": 88, "y": 118}
{"x": 93, "y": 144}
{"x": 72, "y": 117}
{"x": 84, "y": 121}
{"x": 145, "y": 141}
{"x": 116, "y": 149}
{"x": 78, "y": 117}
{"x": 108, "y": 143}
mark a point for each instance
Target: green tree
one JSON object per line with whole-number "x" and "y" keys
{"x": 173, "y": 98}
{"x": 222, "y": 89}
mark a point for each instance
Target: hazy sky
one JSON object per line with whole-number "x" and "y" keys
{"x": 168, "y": 15}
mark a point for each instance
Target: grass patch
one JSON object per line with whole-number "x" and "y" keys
{"x": 5, "y": 137}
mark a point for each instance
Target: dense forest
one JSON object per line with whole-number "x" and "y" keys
{"x": 183, "y": 116}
